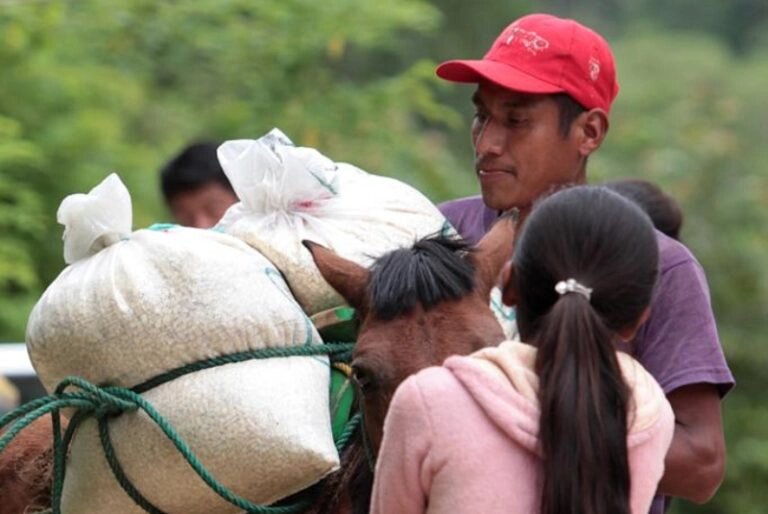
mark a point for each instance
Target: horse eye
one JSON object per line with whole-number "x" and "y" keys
{"x": 364, "y": 378}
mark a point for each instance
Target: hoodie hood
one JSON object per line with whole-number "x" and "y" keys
{"x": 504, "y": 384}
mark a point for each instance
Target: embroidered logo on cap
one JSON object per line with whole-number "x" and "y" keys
{"x": 594, "y": 68}
{"x": 533, "y": 42}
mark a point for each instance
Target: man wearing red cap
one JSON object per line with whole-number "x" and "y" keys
{"x": 543, "y": 96}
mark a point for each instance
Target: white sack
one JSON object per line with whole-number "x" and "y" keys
{"x": 505, "y": 315}
{"x": 150, "y": 301}
{"x": 288, "y": 194}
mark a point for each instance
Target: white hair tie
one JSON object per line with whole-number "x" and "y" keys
{"x": 571, "y": 286}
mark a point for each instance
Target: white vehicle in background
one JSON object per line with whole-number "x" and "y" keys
{"x": 17, "y": 368}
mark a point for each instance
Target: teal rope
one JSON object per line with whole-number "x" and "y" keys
{"x": 59, "y": 456}
{"x": 117, "y": 470}
{"x": 369, "y": 456}
{"x": 336, "y": 351}
{"x": 348, "y": 432}
{"x": 102, "y": 402}
{"x": 193, "y": 461}
{"x": 24, "y": 416}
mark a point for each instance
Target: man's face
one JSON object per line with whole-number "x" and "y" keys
{"x": 520, "y": 152}
{"x": 202, "y": 207}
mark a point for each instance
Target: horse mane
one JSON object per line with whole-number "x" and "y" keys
{"x": 432, "y": 271}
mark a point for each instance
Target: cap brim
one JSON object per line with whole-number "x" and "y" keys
{"x": 504, "y": 75}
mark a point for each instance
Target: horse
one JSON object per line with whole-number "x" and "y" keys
{"x": 26, "y": 470}
{"x": 416, "y": 307}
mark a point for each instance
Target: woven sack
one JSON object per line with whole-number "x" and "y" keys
{"x": 131, "y": 306}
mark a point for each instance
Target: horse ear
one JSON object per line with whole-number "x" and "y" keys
{"x": 493, "y": 250}
{"x": 348, "y": 278}
{"x": 509, "y": 294}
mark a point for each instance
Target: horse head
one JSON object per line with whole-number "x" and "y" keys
{"x": 417, "y": 306}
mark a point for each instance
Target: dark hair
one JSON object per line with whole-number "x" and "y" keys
{"x": 664, "y": 211}
{"x": 604, "y": 242}
{"x": 569, "y": 110}
{"x": 195, "y": 166}
{"x": 432, "y": 271}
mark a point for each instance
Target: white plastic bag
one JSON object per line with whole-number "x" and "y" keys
{"x": 289, "y": 194}
{"x": 96, "y": 220}
{"x": 505, "y": 315}
{"x": 154, "y": 300}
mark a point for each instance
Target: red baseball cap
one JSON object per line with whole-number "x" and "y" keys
{"x": 540, "y": 53}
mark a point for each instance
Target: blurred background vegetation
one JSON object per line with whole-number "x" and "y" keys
{"x": 93, "y": 86}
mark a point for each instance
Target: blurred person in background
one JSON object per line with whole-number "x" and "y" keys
{"x": 195, "y": 188}
{"x": 663, "y": 209}
{"x": 543, "y": 94}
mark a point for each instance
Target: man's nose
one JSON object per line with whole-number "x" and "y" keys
{"x": 490, "y": 138}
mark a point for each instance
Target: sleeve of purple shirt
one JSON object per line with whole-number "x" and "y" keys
{"x": 679, "y": 344}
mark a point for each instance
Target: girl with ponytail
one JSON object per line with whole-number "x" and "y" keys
{"x": 563, "y": 423}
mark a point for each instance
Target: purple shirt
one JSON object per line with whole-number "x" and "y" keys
{"x": 678, "y": 344}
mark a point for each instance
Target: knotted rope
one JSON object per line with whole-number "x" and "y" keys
{"x": 102, "y": 402}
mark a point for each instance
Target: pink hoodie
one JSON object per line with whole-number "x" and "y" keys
{"x": 463, "y": 438}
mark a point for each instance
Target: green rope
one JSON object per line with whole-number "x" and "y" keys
{"x": 59, "y": 466}
{"x": 369, "y": 456}
{"x": 117, "y": 470}
{"x": 349, "y": 431}
{"x": 101, "y": 403}
{"x": 336, "y": 351}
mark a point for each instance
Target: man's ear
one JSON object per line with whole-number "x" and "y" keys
{"x": 348, "y": 278}
{"x": 628, "y": 334}
{"x": 493, "y": 250}
{"x": 592, "y": 127}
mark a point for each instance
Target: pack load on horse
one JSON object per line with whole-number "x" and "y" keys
{"x": 163, "y": 326}
{"x": 174, "y": 405}
{"x": 289, "y": 194}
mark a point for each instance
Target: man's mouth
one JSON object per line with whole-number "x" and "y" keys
{"x": 491, "y": 172}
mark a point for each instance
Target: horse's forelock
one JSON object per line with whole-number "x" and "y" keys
{"x": 432, "y": 271}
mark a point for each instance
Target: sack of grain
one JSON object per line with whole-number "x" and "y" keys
{"x": 131, "y": 306}
{"x": 288, "y": 194}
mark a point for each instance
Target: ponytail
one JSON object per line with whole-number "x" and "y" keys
{"x": 584, "y": 401}
{"x": 607, "y": 245}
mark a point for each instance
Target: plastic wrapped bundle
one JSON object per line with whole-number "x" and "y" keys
{"x": 289, "y": 194}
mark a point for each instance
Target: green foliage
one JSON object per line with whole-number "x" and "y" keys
{"x": 88, "y": 87}
{"x": 740, "y": 24}
{"x": 21, "y": 221}
{"x": 697, "y": 133}
{"x": 91, "y": 87}
{"x": 689, "y": 118}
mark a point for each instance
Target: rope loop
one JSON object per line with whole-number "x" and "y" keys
{"x": 102, "y": 402}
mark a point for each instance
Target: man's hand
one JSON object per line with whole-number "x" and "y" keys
{"x": 695, "y": 462}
